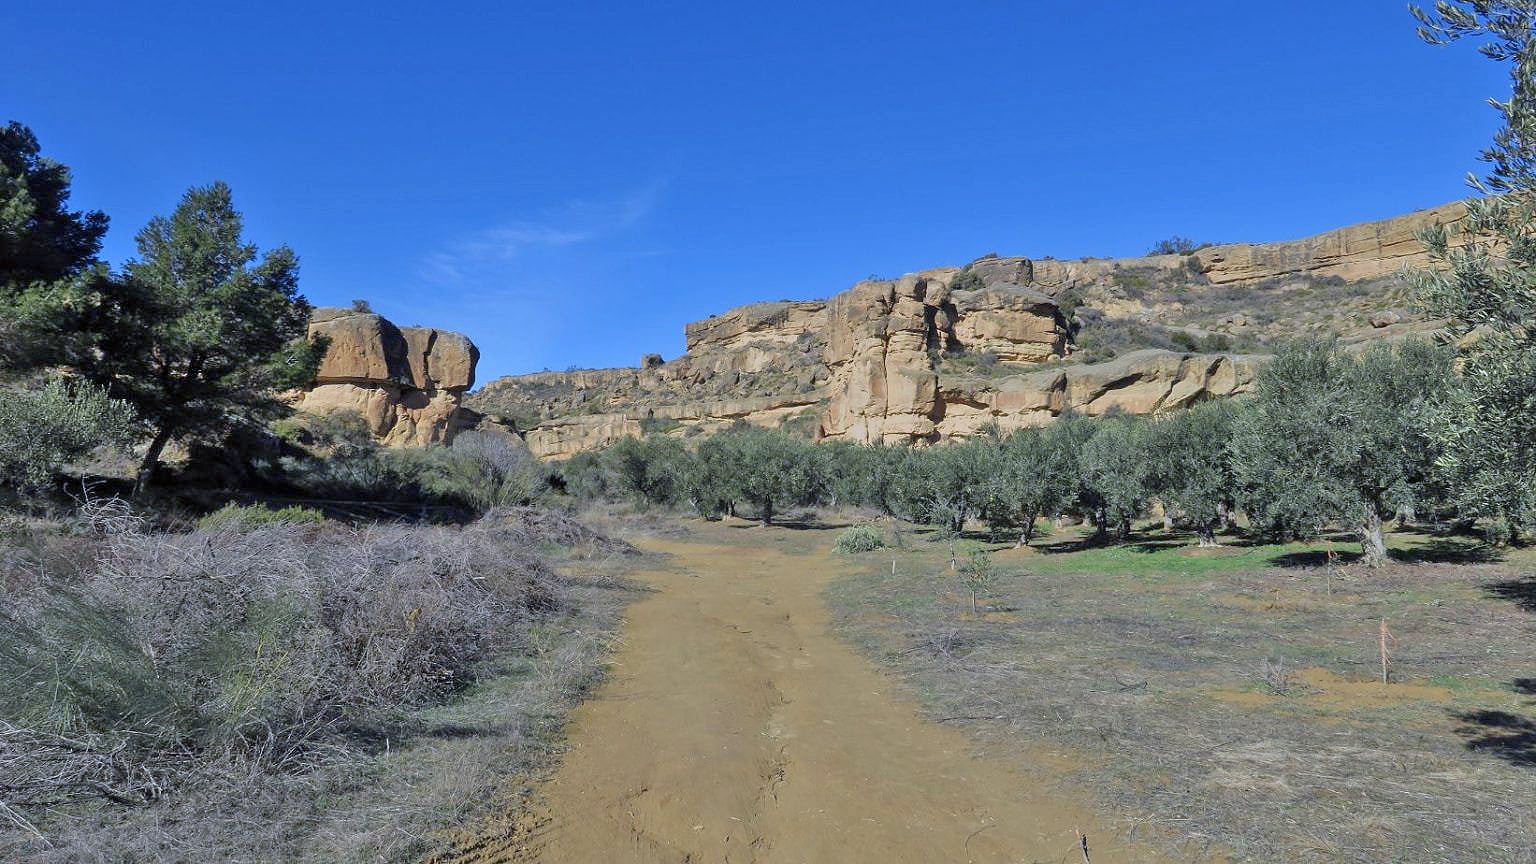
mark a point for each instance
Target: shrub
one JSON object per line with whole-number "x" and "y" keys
{"x": 223, "y": 652}
{"x": 967, "y": 280}
{"x": 238, "y": 517}
{"x": 480, "y": 470}
{"x": 43, "y": 429}
{"x": 1175, "y": 245}
{"x": 977, "y": 574}
{"x": 860, "y": 538}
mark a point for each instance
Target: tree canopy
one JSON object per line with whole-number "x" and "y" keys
{"x": 203, "y": 334}
{"x": 1486, "y": 289}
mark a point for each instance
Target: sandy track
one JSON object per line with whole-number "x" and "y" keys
{"x": 736, "y": 728}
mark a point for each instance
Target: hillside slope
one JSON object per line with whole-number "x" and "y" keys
{"x": 1012, "y": 341}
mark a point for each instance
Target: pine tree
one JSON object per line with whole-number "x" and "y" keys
{"x": 51, "y": 282}
{"x": 203, "y": 336}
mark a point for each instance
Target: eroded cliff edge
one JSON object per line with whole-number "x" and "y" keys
{"x": 1011, "y": 341}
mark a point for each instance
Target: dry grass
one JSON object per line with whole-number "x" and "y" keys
{"x": 292, "y": 692}
{"x": 1241, "y": 711}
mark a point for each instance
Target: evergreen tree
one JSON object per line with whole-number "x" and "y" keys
{"x": 202, "y": 335}
{"x": 1191, "y": 472}
{"x": 1114, "y": 467}
{"x": 1486, "y": 290}
{"x": 1036, "y": 476}
{"x": 50, "y": 280}
{"x": 1332, "y": 438}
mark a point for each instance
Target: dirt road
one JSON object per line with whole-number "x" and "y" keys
{"x": 736, "y": 728}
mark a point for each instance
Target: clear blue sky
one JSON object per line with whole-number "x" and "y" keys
{"x": 568, "y": 182}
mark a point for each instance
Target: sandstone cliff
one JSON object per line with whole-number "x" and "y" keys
{"x": 1012, "y": 341}
{"x": 408, "y": 383}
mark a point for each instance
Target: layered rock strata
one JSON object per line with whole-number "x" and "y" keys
{"x": 408, "y": 383}
{"x": 943, "y": 353}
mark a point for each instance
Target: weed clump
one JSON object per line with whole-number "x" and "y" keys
{"x": 238, "y": 517}
{"x": 860, "y": 538}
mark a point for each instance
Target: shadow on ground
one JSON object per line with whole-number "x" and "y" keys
{"x": 1521, "y": 592}
{"x": 1505, "y": 734}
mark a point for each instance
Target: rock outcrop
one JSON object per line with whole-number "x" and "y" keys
{"x": 408, "y": 383}
{"x": 943, "y": 353}
{"x": 1366, "y": 251}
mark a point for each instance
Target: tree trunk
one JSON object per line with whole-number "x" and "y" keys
{"x": 1372, "y": 542}
{"x": 1167, "y": 521}
{"x": 151, "y": 461}
{"x": 1207, "y": 535}
{"x": 767, "y": 512}
{"x": 1028, "y": 533}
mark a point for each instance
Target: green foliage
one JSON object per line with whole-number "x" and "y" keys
{"x": 943, "y": 486}
{"x": 860, "y": 538}
{"x": 767, "y": 469}
{"x": 43, "y": 429}
{"x": 480, "y": 471}
{"x": 651, "y": 470}
{"x": 50, "y": 279}
{"x": 1486, "y": 290}
{"x": 977, "y": 573}
{"x": 238, "y": 517}
{"x": 1036, "y": 475}
{"x": 1333, "y": 438}
{"x": 202, "y": 334}
{"x": 1176, "y": 245}
{"x": 1190, "y": 469}
{"x": 967, "y": 280}
{"x": 337, "y": 433}
{"x": 1115, "y": 469}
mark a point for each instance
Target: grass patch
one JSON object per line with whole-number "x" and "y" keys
{"x": 1231, "y": 699}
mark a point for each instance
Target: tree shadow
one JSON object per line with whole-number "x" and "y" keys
{"x": 1444, "y": 550}
{"x": 1521, "y": 592}
{"x": 795, "y": 524}
{"x": 1440, "y": 551}
{"x": 1151, "y": 544}
{"x": 1313, "y": 558}
{"x": 1506, "y": 735}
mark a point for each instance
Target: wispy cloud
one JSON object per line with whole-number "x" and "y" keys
{"x": 487, "y": 251}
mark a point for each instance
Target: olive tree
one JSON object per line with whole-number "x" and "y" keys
{"x": 1114, "y": 468}
{"x": 1036, "y": 476}
{"x": 1332, "y": 438}
{"x": 767, "y": 469}
{"x": 1190, "y": 467}
{"x": 45, "y": 428}
{"x": 1486, "y": 289}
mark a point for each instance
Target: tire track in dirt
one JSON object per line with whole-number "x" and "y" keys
{"x": 735, "y": 727}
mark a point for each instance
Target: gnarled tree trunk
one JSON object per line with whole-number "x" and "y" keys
{"x": 1373, "y": 543}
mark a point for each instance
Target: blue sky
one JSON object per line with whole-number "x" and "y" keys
{"x": 569, "y": 182}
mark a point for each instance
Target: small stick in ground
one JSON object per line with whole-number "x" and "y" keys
{"x": 1383, "y": 639}
{"x": 1082, "y": 845}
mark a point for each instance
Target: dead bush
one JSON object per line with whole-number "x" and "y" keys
{"x": 180, "y": 657}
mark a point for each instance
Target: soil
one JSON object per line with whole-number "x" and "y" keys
{"x": 735, "y": 727}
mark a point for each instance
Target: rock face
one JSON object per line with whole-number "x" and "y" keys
{"x": 408, "y": 383}
{"x": 943, "y": 353}
{"x": 1364, "y": 251}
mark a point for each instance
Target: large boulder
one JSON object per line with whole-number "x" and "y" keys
{"x": 407, "y": 383}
